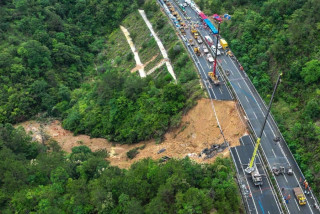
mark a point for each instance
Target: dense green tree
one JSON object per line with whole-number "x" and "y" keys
{"x": 311, "y": 71}
{"x": 84, "y": 182}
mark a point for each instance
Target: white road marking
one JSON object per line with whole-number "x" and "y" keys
{"x": 220, "y": 90}
{"x": 203, "y": 72}
{"x": 255, "y": 115}
{"x": 254, "y": 203}
{"x": 296, "y": 203}
{"x": 285, "y": 178}
{"x": 264, "y": 133}
{"x": 265, "y": 136}
{"x": 273, "y": 153}
{"x": 260, "y": 189}
{"x": 247, "y": 99}
{"x": 274, "y": 194}
{"x": 239, "y": 85}
{"x": 225, "y": 61}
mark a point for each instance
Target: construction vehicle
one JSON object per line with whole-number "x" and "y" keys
{"x": 299, "y": 196}
{"x": 213, "y": 77}
{"x": 230, "y": 53}
{"x": 171, "y": 9}
{"x": 175, "y": 13}
{"x": 252, "y": 166}
{"x": 179, "y": 18}
{"x": 197, "y": 51}
{"x": 256, "y": 176}
{"x": 194, "y": 32}
{"x": 224, "y": 44}
{"x": 183, "y": 32}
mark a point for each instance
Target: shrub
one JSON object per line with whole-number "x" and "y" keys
{"x": 132, "y": 153}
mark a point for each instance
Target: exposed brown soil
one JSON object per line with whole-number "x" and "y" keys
{"x": 198, "y": 130}
{"x": 144, "y": 65}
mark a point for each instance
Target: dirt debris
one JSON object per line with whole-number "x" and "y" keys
{"x": 198, "y": 130}
{"x": 144, "y": 65}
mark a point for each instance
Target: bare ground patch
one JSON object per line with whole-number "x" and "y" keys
{"x": 198, "y": 130}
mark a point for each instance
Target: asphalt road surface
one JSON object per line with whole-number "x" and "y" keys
{"x": 277, "y": 154}
{"x": 259, "y": 199}
{"x": 220, "y": 92}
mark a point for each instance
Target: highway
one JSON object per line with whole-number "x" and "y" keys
{"x": 276, "y": 153}
{"x": 220, "y": 92}
{"x": 259, "y": 199}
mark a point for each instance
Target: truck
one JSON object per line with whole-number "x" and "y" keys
{"x": 224, "y": 44}
{"x": 299, "y": 196}
{"x": 256, "y": 177}
{"x": 213, "y": 78}
{"x": 197, "y": 51}
{"x": 194, "y": 32}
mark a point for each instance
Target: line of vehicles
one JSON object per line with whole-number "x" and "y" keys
{"x": 222, "y": 47}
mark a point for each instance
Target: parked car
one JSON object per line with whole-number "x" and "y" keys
{"x": 210, "y": 58}
{"x": 205, "y": 49}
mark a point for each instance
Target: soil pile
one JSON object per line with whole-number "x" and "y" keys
{"x": 198, "y": 130}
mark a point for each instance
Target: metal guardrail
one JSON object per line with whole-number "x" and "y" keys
{"x": 264, "y": 156}
{"x": 245, "y": 204}
{"x": 274, "y": 124}
{"x": 234, "y": 96}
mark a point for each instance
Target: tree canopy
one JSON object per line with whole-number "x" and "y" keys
{"x": 43, "y": 179}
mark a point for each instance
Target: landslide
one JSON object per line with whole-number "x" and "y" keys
{"x": 198, "y": 130}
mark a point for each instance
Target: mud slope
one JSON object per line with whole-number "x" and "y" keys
{"x": 198, "y": 130}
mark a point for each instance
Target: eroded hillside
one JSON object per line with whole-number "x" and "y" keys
{"x": 197, "y": 131}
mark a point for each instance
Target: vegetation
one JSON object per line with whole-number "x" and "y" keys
{"x": 132, "y": 153}
{"x": 124, "y": 108}
{"x": 272, "y": 36}
{"x": 53, "y": 61}
{"x": 47, "y": 50}
{"x": 43, "y": 179}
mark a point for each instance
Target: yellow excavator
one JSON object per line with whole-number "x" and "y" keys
{"x": 194, "y": 32}
{"x": 197, "y": 51}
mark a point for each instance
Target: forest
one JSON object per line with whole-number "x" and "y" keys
{"x": 47, "y": 69}
{"x": 274, "y": 36}
{"x": 43, "y": 179}
{"x": 48, "y": 51}
{"x": 48, "y": 55}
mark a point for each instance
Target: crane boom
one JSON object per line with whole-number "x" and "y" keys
{"x": 254, "y": 153}
{"x": 251, "y": 166}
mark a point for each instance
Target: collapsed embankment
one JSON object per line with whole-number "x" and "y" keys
{"x": 198, "y": 130}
